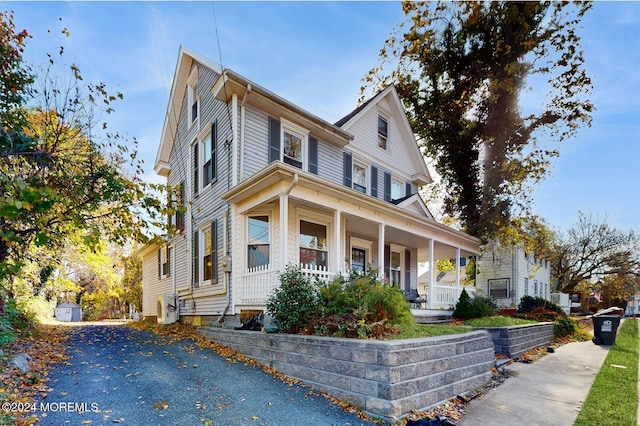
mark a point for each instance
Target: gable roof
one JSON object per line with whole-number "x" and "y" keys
{"x": 416, "y": 201}
{"x": 227, "y": 84}
{"x": 423, "y": 176}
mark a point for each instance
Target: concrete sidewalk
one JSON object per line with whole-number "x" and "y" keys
{"x": 549, "y": 391}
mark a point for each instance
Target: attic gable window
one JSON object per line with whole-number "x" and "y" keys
{"x": 383, "y": 132}
{"x": 192, "y": 96}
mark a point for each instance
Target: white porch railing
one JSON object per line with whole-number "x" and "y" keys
{"x": 258, "y": 283}
{"x": 446, "y": 295}
{"x": 314, "y": 271}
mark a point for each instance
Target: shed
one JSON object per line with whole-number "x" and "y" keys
{"x": 68, "y": 311}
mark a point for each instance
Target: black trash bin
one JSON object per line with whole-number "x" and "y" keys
{"x": 605, "y": 328}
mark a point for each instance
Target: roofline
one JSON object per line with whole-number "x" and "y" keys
{"x": 289, "y": 105}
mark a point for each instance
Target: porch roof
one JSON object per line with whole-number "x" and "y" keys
{"x": 278, "y": 178}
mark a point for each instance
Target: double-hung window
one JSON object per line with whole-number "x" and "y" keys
{"x": 258, "y": 252}
{"x": 164, "y": 262}
{"x": 205, "y": 158}
{"x": 499, "y": 288}
{"x": 383, "y": 132}
{"x": 205, "y": 258}
{"x": 192, "y": 96}
{"x": 359, "y": 178}
{"x": 397, "y": 189}
{"x": 313, "y": 245}
{"x": 293, "y": 147}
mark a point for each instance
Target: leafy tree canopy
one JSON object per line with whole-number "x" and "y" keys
{"x": 460, "y": 68}
{"x": 61, "y": 170}
{"x": 594, "y": 252}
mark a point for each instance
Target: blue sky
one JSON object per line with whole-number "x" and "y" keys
{"x": 315, "y": 54}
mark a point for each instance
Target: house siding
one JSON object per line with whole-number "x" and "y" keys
{"x": 256, "y": 140}
{"x": 153, "y": 285}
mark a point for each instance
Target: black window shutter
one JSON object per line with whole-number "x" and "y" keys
{"x": 196, "y": 183}
{"x": 180, "y": 208}
{"x": 374, "y": 181}
{"x": 159, "y": 263}
{"x": 407, "y": 189}
{"x": 407, "y": 270}
{"x": 387, "y": 186}
{"x": 195, "y": 261}
{"x": 347, "y": 169}
{"x": 214, "y": 251}
{"x": 214, "y": 150}
{"x": 168, "y": 261}
{"x": 313, "y": 155}
{"x": 274, "y": 139}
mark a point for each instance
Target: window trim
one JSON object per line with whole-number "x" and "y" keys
{"x": 164, "y": 259}
{"x": 385, "y": 118}
{"x": 318, "y": 219}
{"x": 397, "y": 184}
{"x": 202, "y": 232}
{"x": 359, "y": 243}
{"x": 246, "y": 242}
{"x": 395, "y": 248}
{"x": 362, "y": 165}
{"x": 303, "y": 134}
{"x": 502, "y": 282}
{"x": 193, "y": 98}
{"x": 209, "y": 132}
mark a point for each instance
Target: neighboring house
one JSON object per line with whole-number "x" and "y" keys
{"x": 633, "y": 306}
{"x": 266, "y": 184}
{"x": 509, "y": 273}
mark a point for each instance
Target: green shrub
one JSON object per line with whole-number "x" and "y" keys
{"x": 14, "y": 322}
{"x": 464, "y": 308}
{"x": 484, "y": 306}
{"x": 294, "y": 303}
{"x": 365, "y": 296}
{"x": 529, "y": 303}
{"x": 564, "y": 326}
{"x": 479, "y": 306}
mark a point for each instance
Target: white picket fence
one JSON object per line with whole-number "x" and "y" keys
{"x": 446, "y": 295}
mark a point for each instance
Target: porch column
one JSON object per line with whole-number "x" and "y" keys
{"x": 337, "y": 231}
{"x": 381, "y": 251}
{"x": 458, "y": 272}
{"x": 284, "y": 220}
{"x": 432, "y": 276}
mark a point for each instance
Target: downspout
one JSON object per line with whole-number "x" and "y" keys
{"x": 293, "y": 183}
{"x": 226, "y": 265}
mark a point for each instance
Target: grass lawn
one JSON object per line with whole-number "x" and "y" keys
{"x": 412, "y": 331}
{"x": 613, "y": 398}
{"x": 498, "y": 321}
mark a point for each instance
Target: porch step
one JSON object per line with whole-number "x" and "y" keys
{"x": 433, "y": 320}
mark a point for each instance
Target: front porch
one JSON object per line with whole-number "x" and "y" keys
{"x": 287, "y": 216}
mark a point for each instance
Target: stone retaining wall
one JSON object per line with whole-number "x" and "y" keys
{"x": 515, "y": 340}
{"x": 387, "y": 379}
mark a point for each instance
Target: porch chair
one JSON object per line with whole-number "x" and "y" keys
{"x": 413, "y": 297}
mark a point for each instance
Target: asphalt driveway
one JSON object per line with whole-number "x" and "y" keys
{"x": 117, "y": 374}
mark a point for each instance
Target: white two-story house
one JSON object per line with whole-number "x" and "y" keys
{"x": 265, "y": 184}
{"x": 509, "y": 273}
